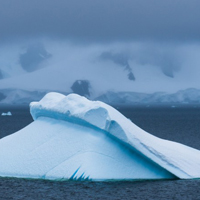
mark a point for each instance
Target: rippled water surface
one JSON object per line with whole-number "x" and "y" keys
{"x": 177, "y": 124}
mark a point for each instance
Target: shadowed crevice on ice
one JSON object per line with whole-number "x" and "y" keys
{"x": 77, "y": 139}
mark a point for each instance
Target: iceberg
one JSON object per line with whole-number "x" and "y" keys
{"x": 73, "y": 138}
{"x": 6, "y": 114}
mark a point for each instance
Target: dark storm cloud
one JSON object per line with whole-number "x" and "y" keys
{"x": 100, "y": 20}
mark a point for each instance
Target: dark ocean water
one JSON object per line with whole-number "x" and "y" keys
{"x": 177, "y": 124}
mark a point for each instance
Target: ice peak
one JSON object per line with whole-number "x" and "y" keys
{"x": 69, "y": 107}
{"x": 101, "y": 117}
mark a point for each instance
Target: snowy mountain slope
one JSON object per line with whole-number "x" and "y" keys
{"x": 129, "y": 68}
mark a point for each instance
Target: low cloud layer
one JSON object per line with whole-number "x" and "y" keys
{"x": 100, "y": 21}
{"x": 155, "y": 67}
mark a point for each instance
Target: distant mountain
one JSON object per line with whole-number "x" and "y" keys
{"x": 188, "y": 96}
{"x": 182, "y": 97}
{"x": 34, "y": 55}
{"x": 19, "y": 97}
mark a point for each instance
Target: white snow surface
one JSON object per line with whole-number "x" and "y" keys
{"x": 75, "y": 138}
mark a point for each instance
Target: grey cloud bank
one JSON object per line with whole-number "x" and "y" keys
{"x": 100, "y": 21}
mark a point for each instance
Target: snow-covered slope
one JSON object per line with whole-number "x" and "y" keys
{"x": 119, "y": 68}
{"x": 74, "y": 138}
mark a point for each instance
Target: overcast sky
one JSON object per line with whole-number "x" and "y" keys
{"x": 101, "y": 20}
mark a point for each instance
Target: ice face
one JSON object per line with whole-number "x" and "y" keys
{"x": 74, "y": 138}
{"x": 55, "y": 149}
